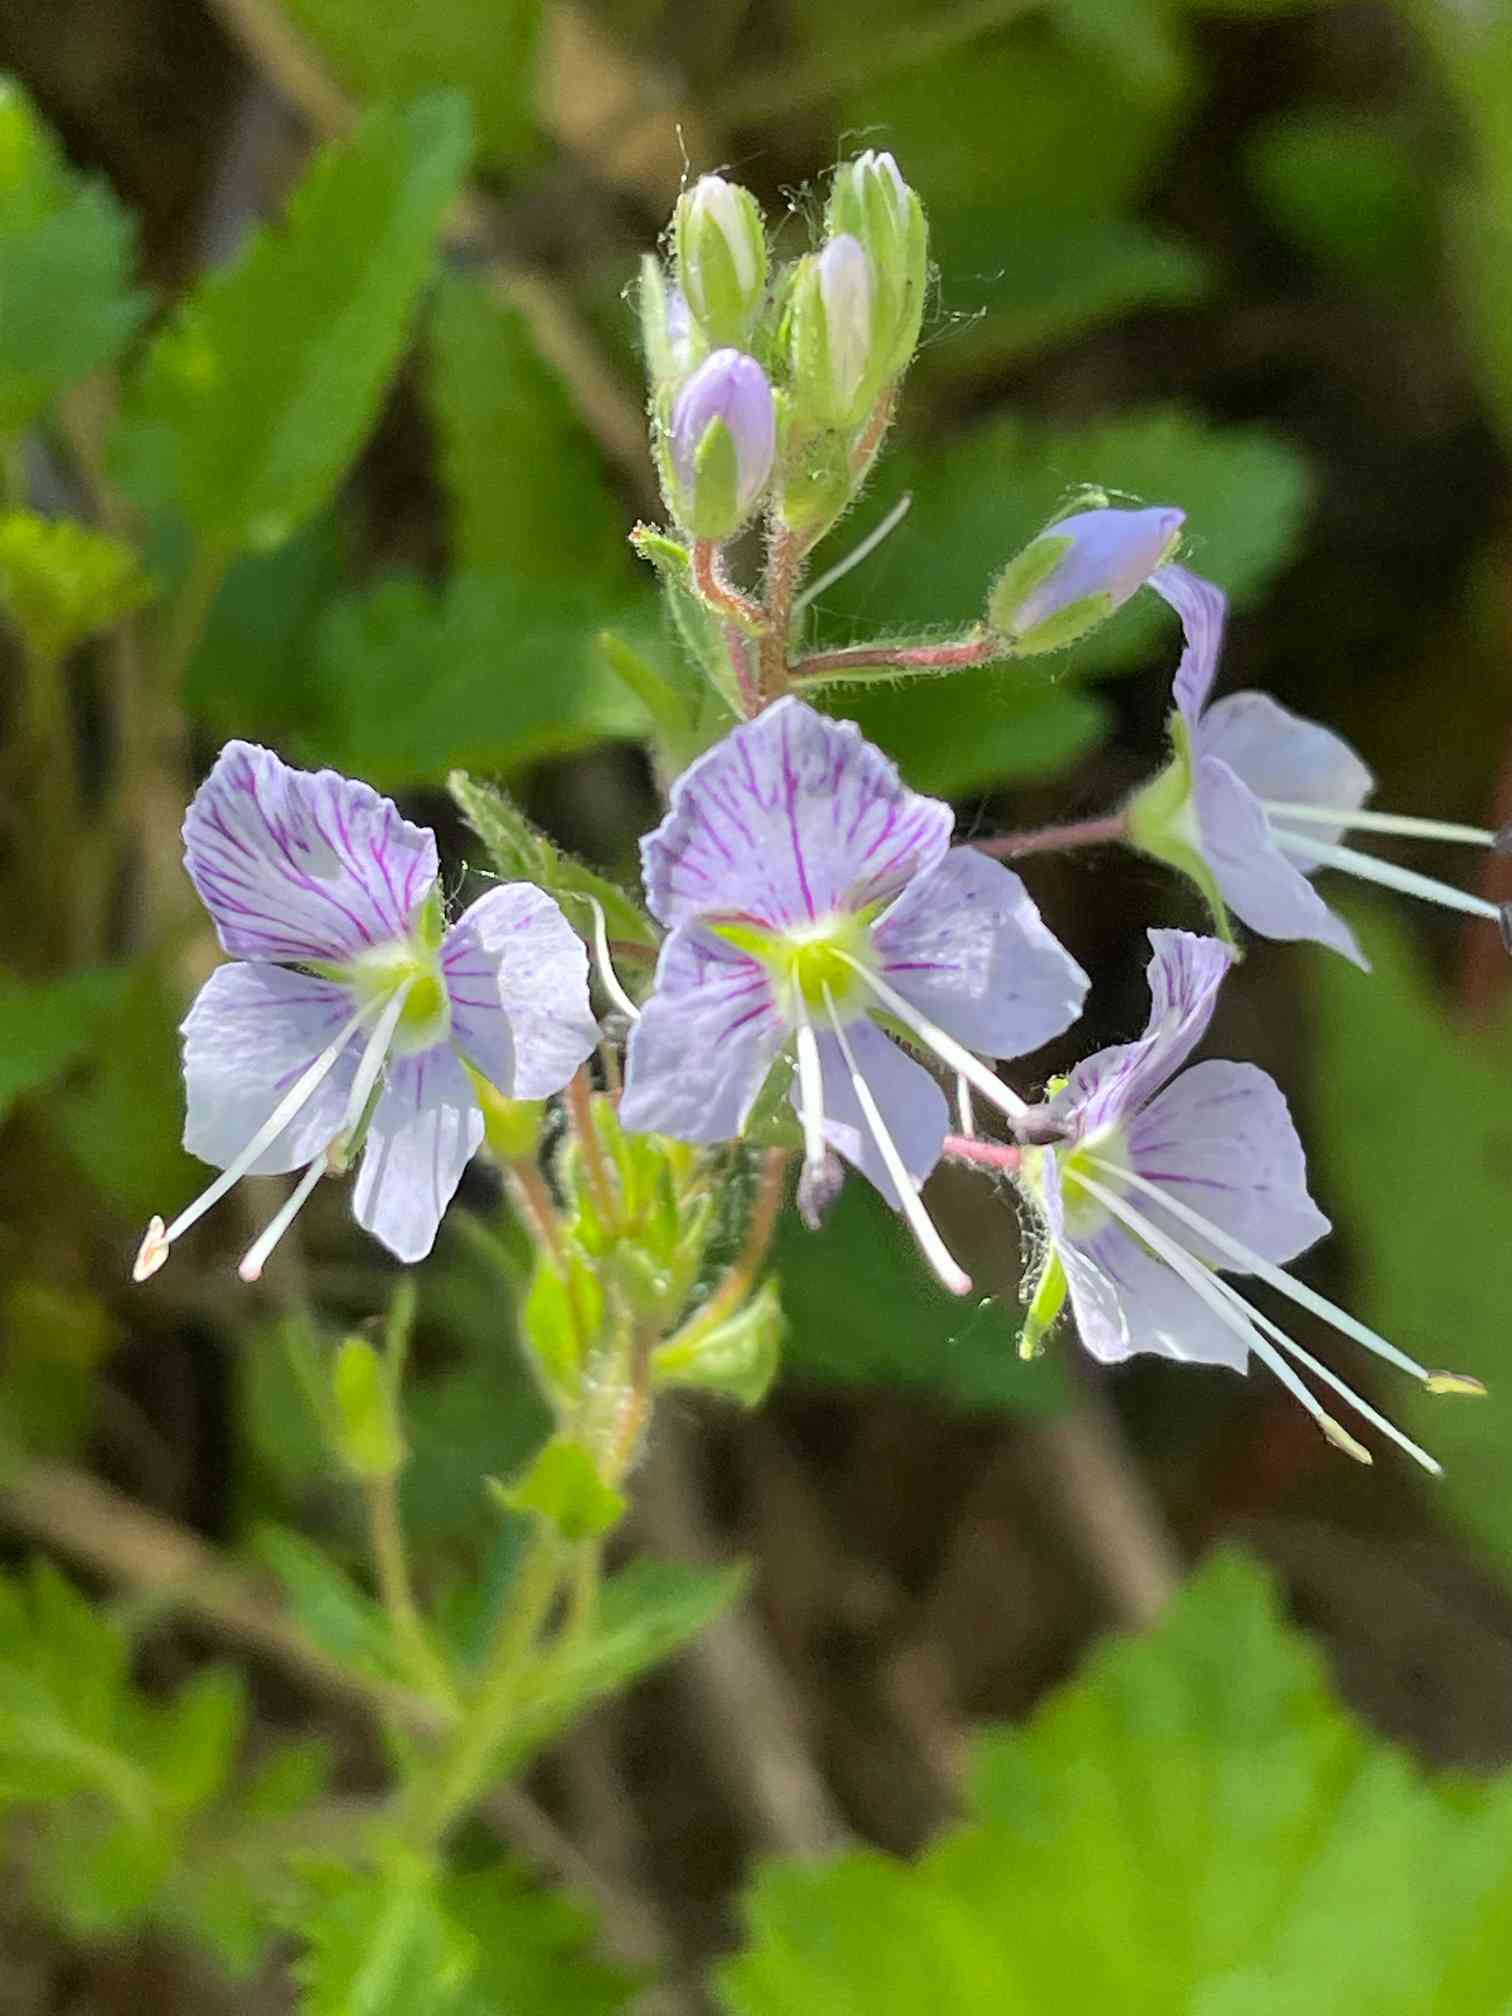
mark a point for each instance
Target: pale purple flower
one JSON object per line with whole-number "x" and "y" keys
{"x": 353, "y": 1019}
{"x": 808, "y": 892}
{"x": 1264, "y": 798}
{"x": 1105, "y": 556}
{"x": 1158, "y": 1181}
{"x": 727, "y": 397}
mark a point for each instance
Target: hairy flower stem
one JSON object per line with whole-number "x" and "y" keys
{"x": 871, "y": 661}
{"x": 997, "y": 1155}
{"x": 462, "y": 1770}
{"x": 596, "y": 1168}
{"x": 391, "y": 1564}
{"x": 720, "y": 593}
{"x": 785, "y": 552}
{"x": 1107, "y": 831}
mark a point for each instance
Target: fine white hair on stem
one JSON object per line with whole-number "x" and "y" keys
{"x": 922, "y": 1226}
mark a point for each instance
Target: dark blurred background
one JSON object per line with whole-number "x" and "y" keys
{"x": 1250, "y": 259}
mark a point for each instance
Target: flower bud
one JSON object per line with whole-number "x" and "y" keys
{"x": 832, "y": 334}
{"x": 721, "y": 257}
{"x": 667, "y": 335}
{"x": 1077, "y": 573}
{"x": 871, "y": 202}
{"x": 721, "y": 444}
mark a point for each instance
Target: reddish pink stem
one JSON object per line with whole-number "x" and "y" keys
{"x": 985, "y": 1154}
{"x": 916, "y": 658}
{"x": 1108, "y": 831}
{"x": 720, "y": 593}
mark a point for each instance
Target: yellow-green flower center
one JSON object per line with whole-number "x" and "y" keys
{"x": 812, "y": 967}
{"x": 425, "y": 1018}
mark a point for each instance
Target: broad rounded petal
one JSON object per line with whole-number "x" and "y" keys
{"x": 517, "y": 975}
{"x": 1203, "y": 609}
{"x": 966, "y": 945}
{"x": 301, "y": 864}
{"x": 1221, "y": 1139}
{"x": 1258, "y": 883}
{"x": 1279, "y": 755}
{"x": 1160, "y": 1313}
{"x": 1184, "y": 974}
{"x": 704, "y": 1043}
{"x": 426, "y": 1128}
{"x": 791, "y": 817}
{"x": 251, "y": 1034}
{"x": 911, "y": 1103}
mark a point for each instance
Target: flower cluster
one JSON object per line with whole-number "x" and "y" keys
{"x": 832, "y": 968}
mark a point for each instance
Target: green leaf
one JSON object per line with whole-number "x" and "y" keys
{"x": 47, "y": 1026}
{"x": 862, "y": 1310}
{"x": 1203, "y": 1822}
{"x": 974, "y": 730}
{"x": 563, "y": 1485}
{"x": 520, "y": 852}
{"x": 646, "y": 1613}
{"x": 60, "y": 582}
{"x": 342, "y": 1619}
{"x": 377, "y": 1941}
{"x": 67, "y": 257}
{"x": 485, "y": 48}
{"x": 738, "y": 1357}
{"x": 530, "y": 497}
{"x": 1345, "y": 188}
{"x": 535, "y": 1950}
{"x": 1433, "y": 1265}
{"x": 255, "y": 398}
{"x": 490, "y": 673}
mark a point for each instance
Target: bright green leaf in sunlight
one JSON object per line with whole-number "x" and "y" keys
{"x": 60, "y": 582}
{"x": 529, "y": 496}
{"x": 1414, "y": 1134}
{"x": 67, "y": 260}
{"x": 484, "y": 48}
{"x": 1194, "y": 1824}
{"x": 491, "y": 673}
{"x": 861, "y": 1311}
{"x": 258, "y": 393}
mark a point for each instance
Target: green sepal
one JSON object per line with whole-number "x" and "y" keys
{"x": 60, "y": 582}
{"x": 1044, "y": 1309}
{"x": 1066, "y": 626}
{"x": 814, "y": 399}
{"x": 816, "y": 481}
{"x": 1026, "y": 572}
{"x": 561, "y": 1320}
{"x": 719, "y": 306}
{"x": 564, "y": 1486}
{"x": 512, "y": 1128}
{"x": 365, "y": 1412}
{"x": 738, "y": 1357}
{"x": 1162, "y": 822}
{"x": 712, "y": 509}
{"x": 430, "y": 921}
{"x": 866, "y": 203}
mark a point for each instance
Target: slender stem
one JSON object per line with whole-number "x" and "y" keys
{"x": 391, "y": 1563}
{"x": 533, "y": 1201}
{"x": 880, "y": 661}
{"x": 595, "y": 1161}
{"x": 985, "y": 1154}
{"x": 741, "y": 1275}
{"x": 462, "y": 1769}
{"x": 1107, "y": 831}
{"x": 785, "y": 551}
{"x": 738, "y": 644}
{"x": 721, "y": 594}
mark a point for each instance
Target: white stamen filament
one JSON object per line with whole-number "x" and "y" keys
{"x": 1190, "y": 1270}
{"x": 955, "y": 1055}
{"x": 374, "y": 1052}
{"x": 1331, "y": 1378}
{"x": 255, "y": 1258}
{"x": 862, "y": 550}
{"x": 810, "y": 1094}
{"x": 1250, "y": 1262}
{"x": 1381, "y": 822}
{"x": 965, "y": 1113}
{"x": 931, "y": 1245}
{"x": 1370, "y": 868}
{"x": 154, "y": 1247}
{"x": 606, "y": 970}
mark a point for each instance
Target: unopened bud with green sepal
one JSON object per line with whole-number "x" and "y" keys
{"x": 720, "y": 445}
{"x": 872, "y": 203}
{"x": 1077, "y": 573}
{"x": 720, "y": 242}
{"x": 832, "y": 336}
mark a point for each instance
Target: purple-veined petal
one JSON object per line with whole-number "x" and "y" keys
{"x": 300, "y": 864}
{"x": 517, "y": 976}
{"x": 911, "y": 1104}
{"x": 966, "y": 945}
{"x": 1184, "y": 973}
{"x": 1280, "y": 755}
{"x": 1221, "y": 1139}
{"x": 426, "y": 1128}
{"x": 1203, "y": 609}
{"x": 1258, "y": 883}
{"x": 1160, "y": 1313}
{"x": 705, "y": 1041}
{"x": 790, "y": 818}
{"x": 1094, "y": 1301}
{"x": 251, "y": 1034}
